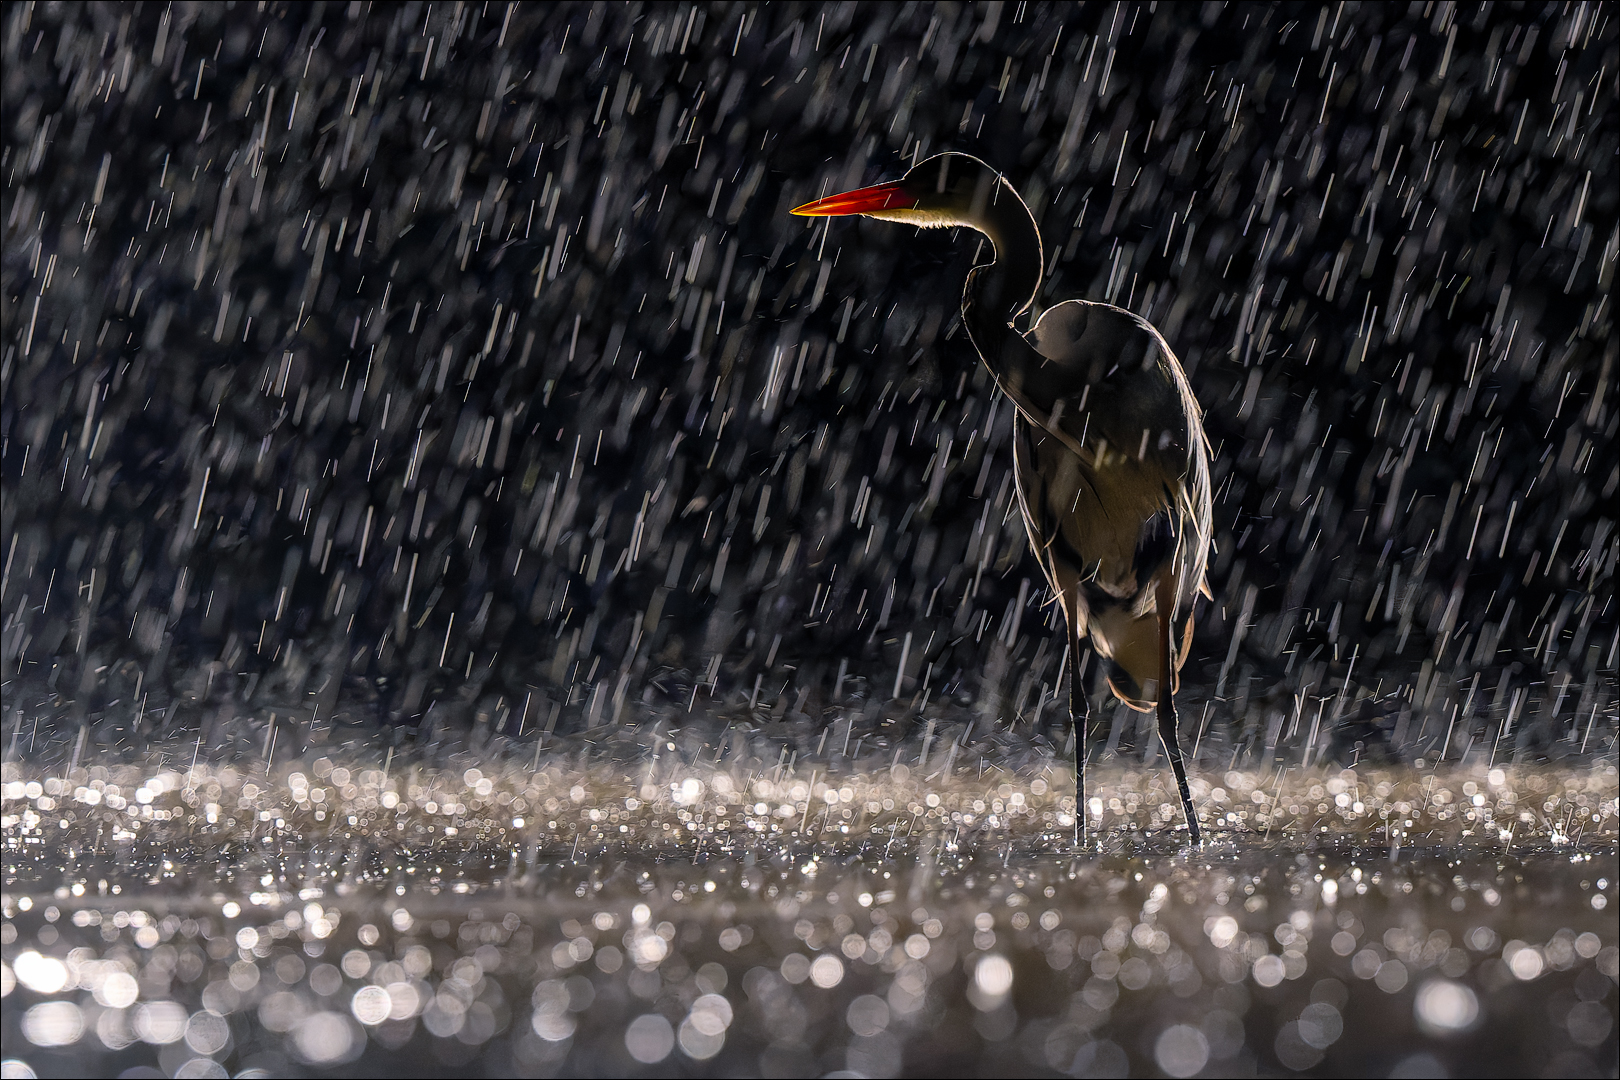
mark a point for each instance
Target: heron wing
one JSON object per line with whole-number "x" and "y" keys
{"x": 1113, "y": 475}
{"x": 1105, "y": 384}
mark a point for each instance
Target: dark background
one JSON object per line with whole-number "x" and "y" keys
{"x": 457, "y": 369}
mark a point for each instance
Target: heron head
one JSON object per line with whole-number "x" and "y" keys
{"x": 946, "y": 190}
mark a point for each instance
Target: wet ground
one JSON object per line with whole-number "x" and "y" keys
{"x": 319, "y": 918}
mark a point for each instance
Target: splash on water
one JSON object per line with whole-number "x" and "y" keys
{"x": 548, "y": 916}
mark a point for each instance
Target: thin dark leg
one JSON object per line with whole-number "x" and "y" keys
{"x": 1167, "y": 711}
{"x": 1078, "y": 711}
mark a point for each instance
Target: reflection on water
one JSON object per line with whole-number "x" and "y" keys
{"x": 559, "y": 921}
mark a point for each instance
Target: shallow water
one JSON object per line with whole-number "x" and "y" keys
{"x": 451, "y": 919}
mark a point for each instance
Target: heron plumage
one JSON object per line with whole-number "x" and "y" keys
{"x": 1113, "y": 478}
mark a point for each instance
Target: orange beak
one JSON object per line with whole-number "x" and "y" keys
{"x": 890, "y": 196}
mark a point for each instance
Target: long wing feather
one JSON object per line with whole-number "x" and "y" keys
{"x": 1113, "y": 475}
{"x": 1105, "y": 384}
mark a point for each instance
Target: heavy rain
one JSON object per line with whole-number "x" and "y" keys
{"x": 488, "y": 591}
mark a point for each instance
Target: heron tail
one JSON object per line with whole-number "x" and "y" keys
{"x": 1132, "y": 654}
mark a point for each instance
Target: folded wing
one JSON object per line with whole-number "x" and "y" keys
{"x": 1113, "y": 477}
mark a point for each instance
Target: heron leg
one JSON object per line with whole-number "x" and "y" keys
{"x": 1167, "y": 708}
{"x": 1078, "y": 714}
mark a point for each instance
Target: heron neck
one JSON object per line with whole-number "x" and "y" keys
{"x": 1006, "y": 287}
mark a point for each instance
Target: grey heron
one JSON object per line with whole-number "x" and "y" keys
{"x": 1109, "y": 450}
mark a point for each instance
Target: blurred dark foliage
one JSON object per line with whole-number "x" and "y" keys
{"x": 458, "y": 369}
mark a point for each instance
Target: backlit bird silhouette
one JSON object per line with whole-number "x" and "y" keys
{"x": 1108, "y": 445}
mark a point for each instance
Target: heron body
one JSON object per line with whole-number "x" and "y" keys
{"x": 1109, "y": 450}
{"x": 1113, "y": 479}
